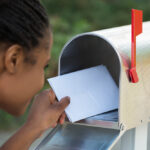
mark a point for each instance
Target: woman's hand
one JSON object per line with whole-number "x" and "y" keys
{"x": 53, "y": 100}
{"x": 46, "y": 111}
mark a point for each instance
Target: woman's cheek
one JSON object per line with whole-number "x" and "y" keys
{"x": 42, "y": 80}
{"x": 37, "y": 82}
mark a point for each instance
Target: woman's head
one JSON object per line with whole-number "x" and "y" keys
{"x": 25, "y": 42}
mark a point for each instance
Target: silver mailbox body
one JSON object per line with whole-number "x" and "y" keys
{"x": 113, "y": 130}
{"x": 112, "y": 48}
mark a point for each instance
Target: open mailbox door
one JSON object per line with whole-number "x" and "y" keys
{"x": 111, "y": 130}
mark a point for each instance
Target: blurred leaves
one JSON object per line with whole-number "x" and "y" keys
{"x": 97, "y": 13}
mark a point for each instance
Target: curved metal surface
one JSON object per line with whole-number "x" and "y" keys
{"x": 134, "y": 98}
{"x": 112, "y": 47}
{"x": 77, "y": 137}
{"x": 87, "y": 50}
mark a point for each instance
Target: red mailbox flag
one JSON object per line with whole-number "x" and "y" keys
{"x": 136, "y": 22}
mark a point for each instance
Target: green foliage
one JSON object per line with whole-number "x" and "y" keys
{"x": 97, "y": 13}
{"x": 8, "y": 122}
{"x": 71, "y": 17}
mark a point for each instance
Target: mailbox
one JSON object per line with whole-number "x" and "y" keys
{"x": 112, "y": 48}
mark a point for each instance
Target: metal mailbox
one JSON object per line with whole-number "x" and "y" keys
{"x": 112, "y": 48}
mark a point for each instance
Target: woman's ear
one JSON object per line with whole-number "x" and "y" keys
{"x": 13, "y": 58}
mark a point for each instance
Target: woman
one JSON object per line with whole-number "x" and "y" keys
{"x": 25, "y": 43}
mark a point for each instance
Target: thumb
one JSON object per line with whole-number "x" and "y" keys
{"x": 63, "y": 104}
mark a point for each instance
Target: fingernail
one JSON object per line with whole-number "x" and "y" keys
{"x": 68, "y": 97}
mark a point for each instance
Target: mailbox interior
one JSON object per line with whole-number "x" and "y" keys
{"x": 88, "y": 50}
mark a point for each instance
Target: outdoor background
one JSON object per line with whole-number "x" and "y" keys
{"x": 71, "y": 17}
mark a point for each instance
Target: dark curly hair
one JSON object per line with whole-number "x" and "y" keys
{"x": 22, "y": 22}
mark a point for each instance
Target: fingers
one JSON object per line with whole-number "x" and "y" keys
{"x": 52, "y": 96}
{"x": 54, "y": 125}
{"x": 63, "y": 104}
{"x": 58, "y": 108}
{"x": 62, "y": 118}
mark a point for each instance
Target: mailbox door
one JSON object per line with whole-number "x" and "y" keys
{"x": 78, "y": 137}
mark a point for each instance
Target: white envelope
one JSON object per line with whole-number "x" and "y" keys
{"x": 92, "y": 91}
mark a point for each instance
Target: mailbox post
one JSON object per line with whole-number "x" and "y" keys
{"x": 122, "y": 129}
